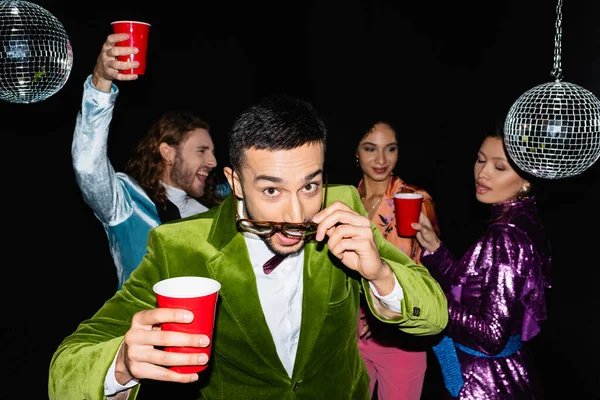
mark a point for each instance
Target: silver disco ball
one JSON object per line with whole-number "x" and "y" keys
{"x": 553, "y": 130}
{"x": 35, "y": 53}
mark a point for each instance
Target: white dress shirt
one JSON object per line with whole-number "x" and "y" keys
{"x": 187, "y": 205}
{"x": 280, "y": 295}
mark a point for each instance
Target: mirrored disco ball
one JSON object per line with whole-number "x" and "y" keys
{"x": 553, "y": 130}
{"x": 35, "y": 53}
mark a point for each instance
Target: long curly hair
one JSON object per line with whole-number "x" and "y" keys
{"x": 146, "y": 165}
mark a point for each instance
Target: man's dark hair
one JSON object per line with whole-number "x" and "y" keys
{"x": 277, "y": 122}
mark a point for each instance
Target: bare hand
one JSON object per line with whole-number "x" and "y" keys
{"x": 351, "y": 240}
{"x": 426, "y": 235}
{"x": 140, "y": 359}
{"x": 107, "y": 67}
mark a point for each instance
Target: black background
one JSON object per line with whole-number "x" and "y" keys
{"x": 445, "y": 71}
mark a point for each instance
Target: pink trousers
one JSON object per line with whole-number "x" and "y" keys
{"x": 399, "y": 374}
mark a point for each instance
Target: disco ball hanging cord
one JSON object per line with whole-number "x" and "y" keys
{"x": 557, "y": 70}
{"x": 553, "y": 130}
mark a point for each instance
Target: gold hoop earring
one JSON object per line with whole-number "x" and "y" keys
{"x": 523, "y": 192}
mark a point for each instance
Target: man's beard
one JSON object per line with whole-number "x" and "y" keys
{"x": 269, "y": 243}
{"x": 184, "y": 178}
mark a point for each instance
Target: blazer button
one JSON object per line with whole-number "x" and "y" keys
{"x": 296, "y": 386}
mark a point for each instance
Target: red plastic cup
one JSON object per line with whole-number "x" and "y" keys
{"x": 408, "y": 209}
{"x": 138, "y": 37}
{"x": 198, "y": 295}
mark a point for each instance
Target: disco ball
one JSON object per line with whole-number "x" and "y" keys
{"x": 553, "y": 130}
{"x": 35, "y": 53}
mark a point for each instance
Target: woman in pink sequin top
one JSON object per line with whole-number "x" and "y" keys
{"x": 496, "y": 291}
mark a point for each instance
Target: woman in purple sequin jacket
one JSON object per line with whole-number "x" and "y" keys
{"x": 496, "y": 291}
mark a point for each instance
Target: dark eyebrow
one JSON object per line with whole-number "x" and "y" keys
{"x": 311, "y": 176}
{"x": 275, "y": 179}
{"x": 373, "y": 144}
{"x": 268, "y": 178}
{"x": 202, "y": 147}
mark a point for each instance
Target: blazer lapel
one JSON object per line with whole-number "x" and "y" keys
{"x": 233, "y": 269}
{"x": 315, "y": 300}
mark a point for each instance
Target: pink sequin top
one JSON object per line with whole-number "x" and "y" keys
{"x": 497, "y": 289}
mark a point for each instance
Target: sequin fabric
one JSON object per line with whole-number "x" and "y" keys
{"x": 118, "y": 201}
{"x": 496, "y": 290}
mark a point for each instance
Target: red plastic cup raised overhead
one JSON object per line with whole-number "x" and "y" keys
{"x": 408, "y": 209}
{"x": 138, "y": 37}
{"x": 198, "y": 295}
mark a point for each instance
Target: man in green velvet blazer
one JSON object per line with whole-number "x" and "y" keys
{"x": 287, "y": 334}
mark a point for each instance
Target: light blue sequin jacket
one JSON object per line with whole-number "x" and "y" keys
{"x": 118, "y": 201}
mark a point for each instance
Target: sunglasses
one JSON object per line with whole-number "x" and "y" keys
{"x": 267, "y": 228}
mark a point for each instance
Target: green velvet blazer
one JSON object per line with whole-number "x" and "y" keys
{"x": 244, "y": 363}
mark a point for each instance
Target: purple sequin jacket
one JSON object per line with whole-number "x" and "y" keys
{"x": 496, "y": 290}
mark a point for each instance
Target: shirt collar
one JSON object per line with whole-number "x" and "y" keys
{"x": 186, "y": 204}
{"x": 175, "y": 195}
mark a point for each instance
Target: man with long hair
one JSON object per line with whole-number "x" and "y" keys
{"x": 169, "y": 176}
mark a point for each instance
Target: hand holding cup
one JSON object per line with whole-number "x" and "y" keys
{"x": 198, "y": 295}
{"x": 138, "y": 33}
{"x": 141, "y": 355}
{"x": 108, "y": 67}
{"x": 426, "y": 235}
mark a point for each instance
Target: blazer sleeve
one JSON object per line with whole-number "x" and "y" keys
{"x": 424, "y": 305}
{"x": 99, "y": 183}
{"x": 80, "y": 364}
